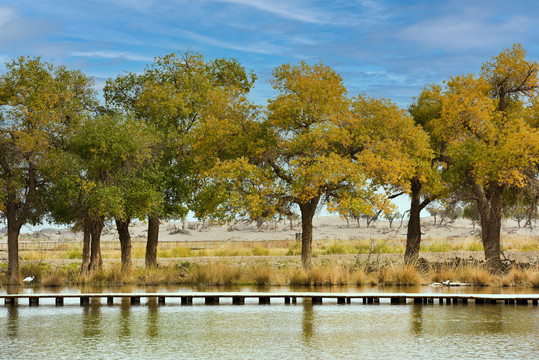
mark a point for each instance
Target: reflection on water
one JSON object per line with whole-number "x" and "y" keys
{"x": 417, "y": 319}
{"x": 91, "y": 320}
{"x": 152, "y": 320}
{"x": 307, "y": 321}
{"x": 125, "y": 314}
{"x": 12, "y": 321}
{"x": 122, "y": 331}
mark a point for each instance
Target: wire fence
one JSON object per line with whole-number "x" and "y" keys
{"x": 115, "y": 244}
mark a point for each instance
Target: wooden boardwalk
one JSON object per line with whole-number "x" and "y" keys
{"x": 238, "y": 298}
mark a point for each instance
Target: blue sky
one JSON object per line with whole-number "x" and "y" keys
{"x": 382, "y": 48}
{"x": 387, "y": 49}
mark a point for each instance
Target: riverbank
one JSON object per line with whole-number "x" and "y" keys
{"x": 358, "y": 270}
{"x": 343, "y": 254}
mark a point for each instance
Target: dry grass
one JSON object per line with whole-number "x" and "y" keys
{"x": 54, "y": 277}
{"x": 402, "y": 275}
{"x": 215, "y": 274}
{"x": 533, "y": 279}
{"x": 264, "y": 274}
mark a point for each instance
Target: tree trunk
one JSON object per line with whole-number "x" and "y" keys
{"x": 125, "y": 243}
{"x": 13, "y": 231}
{"x": 307, "y": 213}
{"x": 151, "y": 244}
{"x": 413, "y": 234}
{"x": 490, "y": 211}
{"x": 96, "y": 262}
{"x": 85, "y": 267}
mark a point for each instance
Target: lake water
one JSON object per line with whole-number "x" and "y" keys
{"x": 301, "y": 331}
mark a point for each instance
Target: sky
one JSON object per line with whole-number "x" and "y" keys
{"x": 388, "y": 49}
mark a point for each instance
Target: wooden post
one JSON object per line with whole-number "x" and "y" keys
{"x": 534, "y": 302}
{"x": 348, "y": 300}
{"x": 287, "y": 300}
{"x": 342, "y": 301}
{"x": 316, "y": 300}
{"x": 264, "y": 300}
{"x": 10, "y": 301}
{"x": 211, "y": 300}
{"x": 187, "y": 300}
{"x": 239, "y": 300}
{"x": 135, "y": 300}
{"x": 110, "y": 300}
{"x": 59, "y": 301}
{"x": 464, "y": 301}
{"x": 33, "y": 301}
{"x": 522, "y": 302}
{"x": 479, "y": 301}
{"x": 294, "y": 300}
{"x": 84, "y": 300}
{"x": 161, "y": 300}
{"x": 418, "y": 300}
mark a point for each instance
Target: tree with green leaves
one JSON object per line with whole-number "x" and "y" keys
{"x": 38, "y": 104}
{"x": 427, "y": 183}
{"x": 171, "y": 96}
{"x": 106, "y": 172}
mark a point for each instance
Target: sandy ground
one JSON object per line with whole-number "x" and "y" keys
{"x": 325, "y": 228}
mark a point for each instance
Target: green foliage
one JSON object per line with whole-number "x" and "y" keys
{"x": 106, "y": 170}
{"x": 171, "y": 96}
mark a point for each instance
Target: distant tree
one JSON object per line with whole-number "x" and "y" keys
{"x": 471, "y": 212}
{"x": 391, "y": 216}
{"x": 434, "y": 211}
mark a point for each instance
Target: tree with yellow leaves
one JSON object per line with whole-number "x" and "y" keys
{"x": 491, "y": 145}
{"x": 313, "y": 145}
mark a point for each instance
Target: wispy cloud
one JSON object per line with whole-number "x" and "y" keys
{"x": 6, "y": 15}
{"x": 260, "y": 48}
{"x": 468, "y": 31}
{"x": 112, "y": 55}
{"x": 285, "y": 9}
